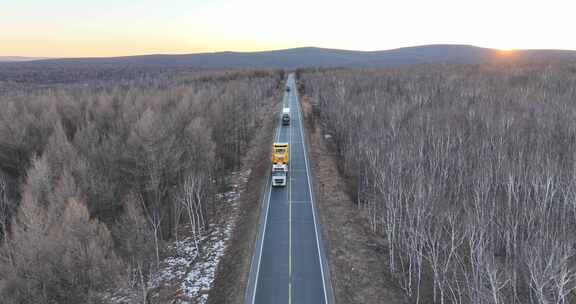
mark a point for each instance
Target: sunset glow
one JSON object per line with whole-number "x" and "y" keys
{"x": 507, "y": 52}
{"x": 65, "y": 28}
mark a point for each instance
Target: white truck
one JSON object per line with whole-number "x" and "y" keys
{"x": 279, "y": 174}
{"x": 285, "y": 116}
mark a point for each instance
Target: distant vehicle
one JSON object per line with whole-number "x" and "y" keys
{"x": 286, "y": 116}
{"x": 287, "y": 88}
{"x": 280, "y": 157}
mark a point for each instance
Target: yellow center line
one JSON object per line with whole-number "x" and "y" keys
{"x": 290, "y": 212}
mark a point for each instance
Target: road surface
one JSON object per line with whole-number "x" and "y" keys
{"x": 289, "y": 264}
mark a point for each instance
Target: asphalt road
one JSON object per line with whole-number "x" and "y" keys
{"x": 289, "y": 265}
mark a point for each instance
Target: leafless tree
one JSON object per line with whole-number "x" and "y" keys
{"x": 193, "y": 197}
{"x": 467, "y": 172}
{"x": 4, "y": 205}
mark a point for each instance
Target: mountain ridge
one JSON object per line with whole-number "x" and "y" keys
{"x": 20, "y": 58}
{"x": 302, "y": 57}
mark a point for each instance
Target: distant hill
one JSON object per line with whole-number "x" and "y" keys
{"x": 320, "y": 57}
{"x": 19, "y": 58}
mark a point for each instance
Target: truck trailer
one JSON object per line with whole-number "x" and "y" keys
{"x": 280, "y": 153}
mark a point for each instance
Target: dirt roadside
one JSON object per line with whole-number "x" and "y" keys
{"x": 234, "y": 267}
{"x": 357, "y": 261}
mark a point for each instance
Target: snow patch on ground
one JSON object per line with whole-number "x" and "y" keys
{"x": 176, "y": 266}
{"x": 198, "y": 280}
{"x": 189, "y": 271}
{"x": 202, "y": 267}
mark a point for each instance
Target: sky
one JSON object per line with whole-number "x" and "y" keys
{"x": 85, "y": 28}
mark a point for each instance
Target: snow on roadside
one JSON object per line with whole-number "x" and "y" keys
{"x": 185, "y": 277}
{"x": 193, "y": 272}
{"x": 199, "y": 280}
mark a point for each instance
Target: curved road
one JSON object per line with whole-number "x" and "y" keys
{"x": 289, "y": 264}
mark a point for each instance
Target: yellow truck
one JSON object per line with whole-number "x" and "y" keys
{"x": 280, "y": 153}
{"x": 280, "y": 157}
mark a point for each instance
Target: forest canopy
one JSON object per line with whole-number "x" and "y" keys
{"x": 468, "y": 172}
{"x": 93, "y": 169}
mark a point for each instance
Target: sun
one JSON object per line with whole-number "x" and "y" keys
{"x": 506, "y": 52}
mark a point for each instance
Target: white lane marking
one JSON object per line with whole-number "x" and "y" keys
{"x": 269, "y": 185}
{"x": 301, "y": 202}
{"x": 312, "y": 200}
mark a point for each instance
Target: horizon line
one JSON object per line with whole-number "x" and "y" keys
{"x": 34, "y": 58}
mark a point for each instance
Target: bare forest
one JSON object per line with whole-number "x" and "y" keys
{"x": 98, "y": 171}
{"x": 467, "y": 172}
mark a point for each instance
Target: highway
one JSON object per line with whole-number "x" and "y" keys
{"x": 289, "y": 264}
